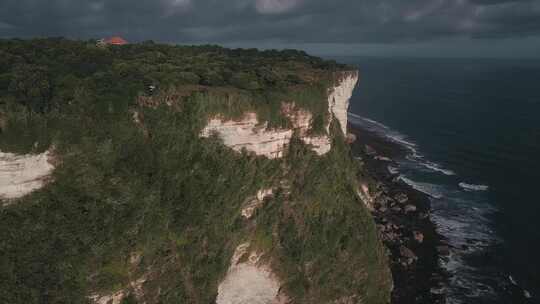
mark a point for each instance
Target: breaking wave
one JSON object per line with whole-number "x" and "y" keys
{"x": 460, "y": 215}
{"x": 400, "y": 139}
{"x": 472, "y": 187}
{"x": 426, "y": 188}
{"x": 437, "y": 168}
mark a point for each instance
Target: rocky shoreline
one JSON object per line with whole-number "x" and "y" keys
{"x": 403, "y": 222}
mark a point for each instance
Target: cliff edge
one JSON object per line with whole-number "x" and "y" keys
{"x": 180, "y": 175}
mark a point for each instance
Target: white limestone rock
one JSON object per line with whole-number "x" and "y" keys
{"x": 339, "y": 97}
{"x": 134, "y": 287}
{"x": 253, "y": 203}
{"x": 22, "y": 174}
{"x": 248, "y": 133}
{"x": 249, "y": 281}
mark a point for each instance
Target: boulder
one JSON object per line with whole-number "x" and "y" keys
{"x": 410, "y": 208}
{"x": 351, "y": 138}
{"x": 401, "y": 198}
{"x": 407, "y": 253}
{"x": 443, "y": 250}
{"x": 418, "y": 236}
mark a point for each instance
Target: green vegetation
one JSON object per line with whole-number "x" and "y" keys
{"x": 156, "y": 190}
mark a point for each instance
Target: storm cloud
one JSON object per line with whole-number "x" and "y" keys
{"x": 273, "y": 21}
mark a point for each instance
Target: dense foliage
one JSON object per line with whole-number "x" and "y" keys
{"x": 46, "y": 74}
{"x": 157, "y": 193}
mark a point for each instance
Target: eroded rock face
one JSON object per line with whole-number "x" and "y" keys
{"x": 249, "y": 281}
{"x": 301, "y": 121}
{"x": 253, "y": 203}
{"x": 339, "y": 97}
{"x": 248, "y": 133}
{"x": 117, "y": 297}
{"x": 22, "y": 174}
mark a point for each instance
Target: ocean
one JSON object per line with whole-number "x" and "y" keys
{"x": 472, "y": 129}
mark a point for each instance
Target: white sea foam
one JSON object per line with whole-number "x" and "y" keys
{"x": 472, "y": 187}
{"x": 393, "y": 170}
{"x": 437, "y": 167}
{"x": 375, "y": 122}
{"x": 461, "y": 219}
{"x": 429, "y": 189}
{"x": 400, "y": 139}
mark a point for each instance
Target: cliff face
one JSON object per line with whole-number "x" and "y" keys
{"x": 144, "y": 208}
{"x": 249, "y": 281}
{"x": 22, "y": 174}
{"x": 339, "y": 98}
{"x": 249, "y": 134}
{"x": 254, "y": 136}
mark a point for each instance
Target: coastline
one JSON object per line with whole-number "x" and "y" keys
{"x": 403, "y": 222}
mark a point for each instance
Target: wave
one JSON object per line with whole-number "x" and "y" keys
{"x": 399, "y": 139}
{"x": 472, "y": 187}
{"x": 380, "y": 129}
{"x": 459, "y": 217}
{"x": 526, "y": 293}
{"x": 426, "y": 188}
{"x": 437, "y": 168}
{"x": 373, "y": 122}
{"x": 393, "y": 170}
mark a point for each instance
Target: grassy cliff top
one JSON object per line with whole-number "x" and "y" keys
{"x": 46, "y": 74}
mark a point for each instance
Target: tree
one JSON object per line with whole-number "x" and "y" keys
{"x": 31, "y": 86}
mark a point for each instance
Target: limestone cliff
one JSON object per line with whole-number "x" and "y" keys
{"x": 338, "y": 99}
{"x": 152, "y": 203}
{"x": 249, "y": 281}
{"x": 22, "y": 174}
{"x": 255, "y": 136}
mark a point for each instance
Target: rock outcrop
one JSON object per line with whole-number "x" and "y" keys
{"x": 250, "y": 134}
{"x": 135, "y": 288}
{"x": 339, "y": 97}
{"x": 253, "y": 203}
{"x": 249, "y": 281}
{"x": 22, "y": 174}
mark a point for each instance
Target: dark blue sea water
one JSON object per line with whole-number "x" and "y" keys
{"x": 473, "y": 131}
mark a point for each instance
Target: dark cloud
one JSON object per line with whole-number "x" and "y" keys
{"x": 281, "y": 21}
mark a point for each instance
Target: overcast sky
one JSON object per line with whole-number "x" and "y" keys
{"x": 486, "y": 28}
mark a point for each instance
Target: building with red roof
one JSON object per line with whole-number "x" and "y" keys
{"x": 116, "y": 41}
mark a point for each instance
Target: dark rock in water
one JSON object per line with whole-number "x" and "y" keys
{"x": 383, "y": 200}
{"x": 401, "y": 198}
{"x": 418, "y": 236}
{"x": 410, "y": 208}
{"x": 369, "y": 150}
{"x": 407, "y": 253}
{"x": 443, "y": 250}
{"x": 407, "y": 256}
{"x": 410, "y": 236}
{"x": 423, "y": 216}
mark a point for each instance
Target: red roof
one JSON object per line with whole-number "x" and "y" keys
{"x": 116, "y": 41}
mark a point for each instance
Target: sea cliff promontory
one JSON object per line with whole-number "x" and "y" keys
{"x": 181, "y": 174}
